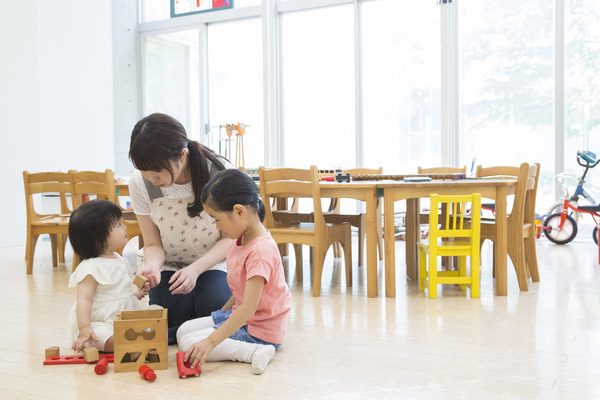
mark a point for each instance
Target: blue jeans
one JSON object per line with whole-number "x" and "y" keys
{"x": 210, "y": 294}
{"x": 220, "y": 316}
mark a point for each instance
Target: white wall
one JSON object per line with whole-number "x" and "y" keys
{"x": 56, "y": 95}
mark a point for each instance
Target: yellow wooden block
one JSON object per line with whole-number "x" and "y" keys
{"x": 52, "y": 351}
{"x": 91, "y": 354}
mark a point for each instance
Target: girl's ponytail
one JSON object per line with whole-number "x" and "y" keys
{"x": 261, "y": 210}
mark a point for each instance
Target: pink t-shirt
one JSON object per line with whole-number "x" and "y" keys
{"x": 261, "y": 257}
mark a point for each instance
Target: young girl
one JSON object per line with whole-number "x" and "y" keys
{"x": 103, "y": 278}
{"x": 252, "y": 324}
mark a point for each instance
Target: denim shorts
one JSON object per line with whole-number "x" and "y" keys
{"x": 220, "y": 316}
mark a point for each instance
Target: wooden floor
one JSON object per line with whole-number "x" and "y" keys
{"x": 544, "y": 343}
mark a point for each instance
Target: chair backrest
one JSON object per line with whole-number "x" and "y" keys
{"x": 455, "y": 224}
{"x": 45, "y": 182}
{"x": 363, "y": 171}
{"x": 290, "y": 183}
{"x": 442, "y": 170}
{"x": 521, "y": 174}
{"x": 533, "y": 177}
{"x": 98, "y": 184}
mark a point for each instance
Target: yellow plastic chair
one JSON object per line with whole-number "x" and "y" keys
{"x": 457, "y": 238}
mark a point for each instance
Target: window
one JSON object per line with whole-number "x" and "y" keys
{"x": 318, "y": 88}
{"x": 582, "y": 84}
{"x": 506, "y": 85}
{"x": 401, "y": 75}
{"x": 171, "y": 77}
{"x": 154, "y": 10}
{"x": 236, "y": 87}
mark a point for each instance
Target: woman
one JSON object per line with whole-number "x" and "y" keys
{"x": 183, "y": 256}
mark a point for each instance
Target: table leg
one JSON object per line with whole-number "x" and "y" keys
{"x": 412, "y": 232}
{"x": 371, "y": 233}
{"x": 501, "y": 242}
{"x": 389, "y": 243}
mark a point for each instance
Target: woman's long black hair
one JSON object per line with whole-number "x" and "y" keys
{"x": 230, "y": 187}
{"x": 160, "y": 138}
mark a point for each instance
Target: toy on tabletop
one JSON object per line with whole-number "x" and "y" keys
{"x": 75, "y": 359}
{"x": 147, "y": 373}
{"x": 229, "y": 132}
{"x": 140, "y": 281}
{"x": 101, "y": 366}
{"x": 140, "y": 338}
{"x": 340, "y": 176}
{"x": 52, "y": 351}
{"x": 90, "y": 354}
{"x": 183, "y": 367}
{"x": 240, "y": 131}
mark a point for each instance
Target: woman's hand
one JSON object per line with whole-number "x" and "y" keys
{"x": 150, "y": 273}
{"x": 85, "y": 334}
{"x": 183, "y": 281}
{"x": 198, "y": 352}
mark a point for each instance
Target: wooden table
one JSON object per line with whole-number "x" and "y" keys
{"x": 365, "y": 191}
{"x": 497, "y": 189}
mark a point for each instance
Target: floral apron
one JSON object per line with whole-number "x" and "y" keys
{"x": 184, "y": 239}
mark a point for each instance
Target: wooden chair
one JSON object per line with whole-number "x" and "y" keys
{"x": 516, "y": 218}
{"x": 56, "y": 225}
{"x": 358, "y": 220}
{"x": 453, "y": 237}
{"x": 424, "y": 214}
{"x": 424, "y": 217}
{"x": 290, "y": 183}
{"x": 86, "y": 185}
{"x": 529, "y": 229}
{"x": 333, "y": 215}
{"x": 442, "y": 170}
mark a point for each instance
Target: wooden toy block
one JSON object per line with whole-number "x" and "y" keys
{"x": 52, "y": 351}
{"x": 66, "y": 360}
{"x": 101, "y": 366}
{"x": 147, "y": 373}
{"x": 141, "y": 338}
{"x": 183, "y": 367}
{"x": 139, "y": 281}
{"x": 90, "y": 354}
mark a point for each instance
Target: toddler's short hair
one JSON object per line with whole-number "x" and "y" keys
{"x": 89, "y": 227}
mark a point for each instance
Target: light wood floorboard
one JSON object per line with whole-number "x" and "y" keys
{"x": 544, "y": 343}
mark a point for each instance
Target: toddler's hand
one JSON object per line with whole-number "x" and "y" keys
{"x": 85, "y": 335}
{"x": 198, "y": 352}
{"x": 150, "y": 273}
{"x": 140, "y": 294}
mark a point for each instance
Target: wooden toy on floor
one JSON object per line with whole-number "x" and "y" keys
{"x": 183, "y": 367}
{"x": 147, "y": 373}
{"x": 52, "y": 351}
{"x": 90, "y": 354}
{"x": 101, "y": 366}
{"x": 140, "y": 338}
{"x": 66, "y": 360}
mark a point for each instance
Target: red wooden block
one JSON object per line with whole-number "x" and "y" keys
{"x": 147, "y": 373}
{"x": 183, "y": 367}
{"x": 101, "y": 366}
{"x": 65, "y": 360}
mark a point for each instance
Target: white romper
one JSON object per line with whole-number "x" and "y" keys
{"x": 114, "y": 294}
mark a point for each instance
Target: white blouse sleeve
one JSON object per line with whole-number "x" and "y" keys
{"x": 140, "y": 200}
{"x": 92, "y": 267}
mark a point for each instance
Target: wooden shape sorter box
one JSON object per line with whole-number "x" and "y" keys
{"x": 141, "y": 338}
